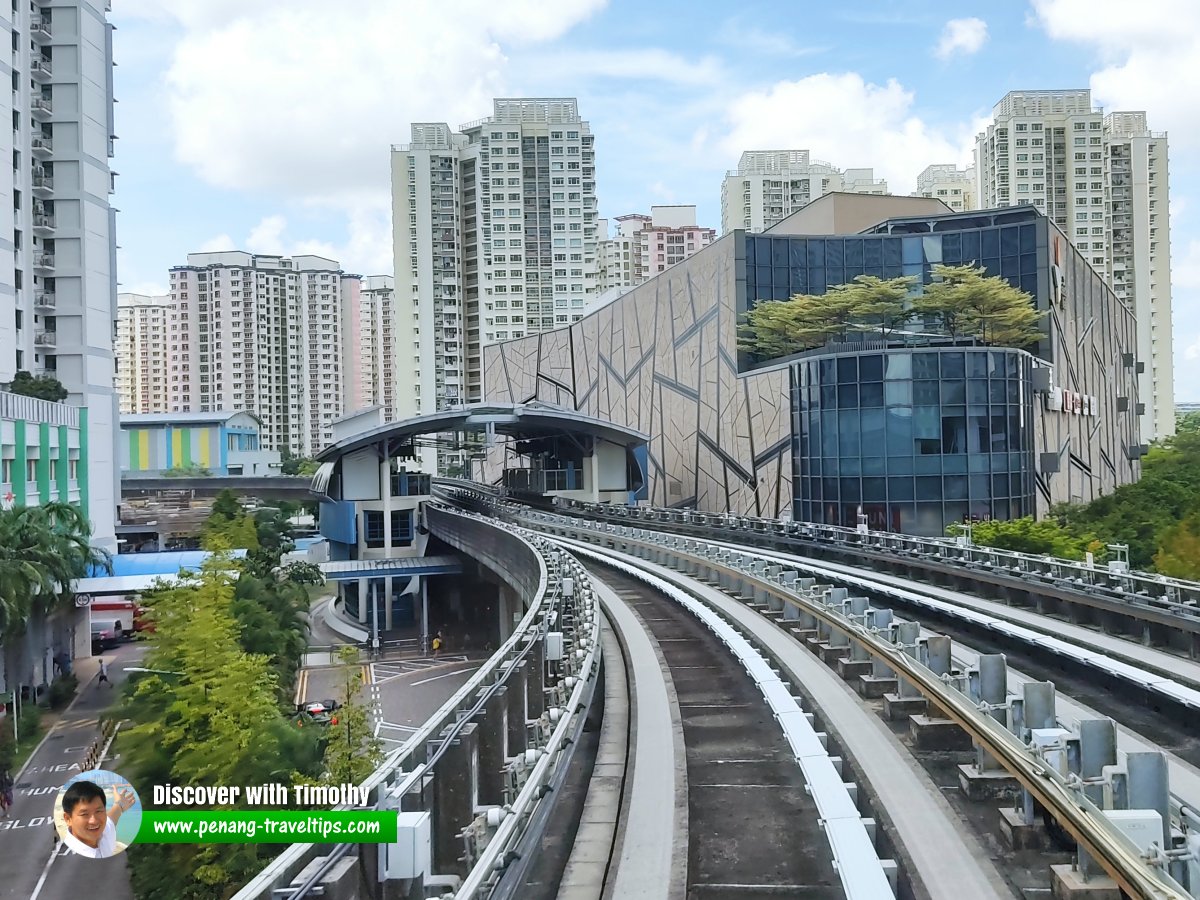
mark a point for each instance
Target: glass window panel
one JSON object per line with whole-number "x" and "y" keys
{"x": 930, "y": 464}
{"x": 829, "y": 431}
{"x": 783, "y": 277}
{"x": 954, "y": 434}
{"x": 847, "y": 396}
{"x": 870, "y": 394}
{"x": 953, "y": 365}
{"x": 899, "y": 431}
{"x": 816, "y": 253}
{"x": 1028, "y": 238}
{"x": 779, "y": 252}
{"x": 929, "y": 488}
{"x": 898, "y": 393}
{"x": 814, "y": 465}
{"x": 970, "y": 246}
{"x": 931, "y": 246}
{"x": 910, "y": 250}
{"x": 873, "y": 251}
{"x": 954, "y": 463}
{"x": 900, "y": 465}
{"x": 981, "y": 487}
{"x": 798, "y": 252}
{"x": 977, "y": 365}
{"x": 892, "y": 253}
{"x": 954, "y": 391}
{"x": 835, "y": 252}
{"x": 848, "y": 436}
{"x": 871, "y": 367}
{"x": 872, "y": 430}
{"x": 895, "y": 271}
{"x": 978, "y": 435}
{"x": 951, "y": 247}
{"x": 925, "y": 393}
{"x": 851, "y": 490}
{"x": 828, "y": 371}
{"x": 1015, "y": 486}
{"x": 849, "y": 465}
{"x": 1010, "y": 268}
{"x": 835, "y": 275}
{"x": 955, "y": 486}
{"x": 847, "y": 369}
{"x": 915, "y": 270}
{"x": 874, "y": 465}
{"x": 817, "y": 282}
{"x": 1010, "y": 240}
{"x": 1029, "y": 284}
{"x": 989, "y": 243}
{"x": 762, "y": 277}
{"x": 874, "y": 489}
{"x": 854, "y": 252}
{"x": 997, "y": 391}
{"x": 829, "y": 396}
{"x": 829, "y": 488}
{"x": 999, "y": 485}
{"x": 877, "y": 271}
{"x": 999, "y": 462}
{"x": 999, "y": 425}
{"x": 925, "y": 365}
{"x": 899, "y": 365}
{"x": 1028, "y": 263}
{"x": 956, "y": 511}
{"x": 830, "y": 466}
{"x": 1001, "y": 509}
{"x": 979, "y": 462}
{"x": 750, "y": 250}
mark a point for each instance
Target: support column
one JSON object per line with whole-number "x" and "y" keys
{"x": 455, "y": 793}
{"x": 535, "y": 683}
{"x": 364, "y": 599}
{"x": 389, "y": 598}
{"x": 1149, "y": 787}
{"x": 424, "y": 612}
{"x": 493, "y": 748}
{"x": 517, "y": 685}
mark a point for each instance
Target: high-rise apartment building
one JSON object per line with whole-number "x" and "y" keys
{"x": 495, "y": 236}
{"x": 141, "y": 352}
{"x": 370, "y": 353}
{"x": 1102, "y": 180}
{"x": 947, "y": 182}
{"x": 645, "y": 245}
{"x": 770, "y": 185}
{"x": 58, "y": 294}
{"x": 263, "y": 334}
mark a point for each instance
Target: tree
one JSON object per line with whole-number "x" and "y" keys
{"x": 226, "y": 505}
{"x": 1187, "y": 423}
{"x": 209, "y": 716}
{"x": 353, "y": 751}
{"x": 1045, "y": 537}
{"x": 44, "y": 387}
{"x": 1179, "y": 553}
{"x": 293, "y": 464}
{"x": 965, "y": 300}
{"x": 187, "y": 472}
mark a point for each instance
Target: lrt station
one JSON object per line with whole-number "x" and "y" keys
{"x": 398, "y": 581}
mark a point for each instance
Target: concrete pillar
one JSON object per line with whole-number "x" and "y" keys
{"x": 938, "y": 653}
{"x": 493, "y": 748}
{"x": 455, "y": 796}
{"x": 535, "y": 684}
{"x": 1149, "y": 787}
{"x": 1097, "y": 746}
{"x": 389, "y": 594}
{"x": 506, "y": 604}
{"x": 364, "y": 600}
{"x": 518, "y": 714}
{"x": 423, "y": 621}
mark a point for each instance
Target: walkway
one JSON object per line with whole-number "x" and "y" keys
{"x": 26, "y": 842}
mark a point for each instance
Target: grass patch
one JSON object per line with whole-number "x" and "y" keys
{"x": 29, "y": 727}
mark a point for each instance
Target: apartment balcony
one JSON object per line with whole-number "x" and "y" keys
{"x": 43, "y": 224}
{"x": 41, "y": 108}
{"x": 39, "y": 28}
{"x": 44, "y": 261}
{"x": 47, "y": 339}
{"x": 45, "y": 300}
{"x": 42, "y": 147}
{"x": 40, "y": 69}
{"x": 43, "y": 185}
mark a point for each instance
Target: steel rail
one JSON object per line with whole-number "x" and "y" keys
{"x": 1082, "y": 819}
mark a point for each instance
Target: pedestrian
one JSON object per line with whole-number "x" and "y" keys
{"x": 437, "y": 644}
{"x": 6, "y": 791}
{"x": 103, "y": 674}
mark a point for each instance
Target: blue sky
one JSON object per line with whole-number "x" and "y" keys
{"x": 266, "y": 126}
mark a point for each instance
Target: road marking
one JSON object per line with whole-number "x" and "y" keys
{"x": 436, "y": 677}
{"x": 366, "y": 674}
{"x": 54, "y": 854}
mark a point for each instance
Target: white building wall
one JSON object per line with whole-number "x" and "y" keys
{"x": 141, "y": 351}
{"x": 1095, "y": 177}
{"x": 770, "y": 185}
{"x": 57, "y": 270}
{"x": 947, "y": 182}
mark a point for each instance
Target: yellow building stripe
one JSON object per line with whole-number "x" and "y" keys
{"x": 143, "y": 437}
{"x": 177, "y": 446}
{"x": 205, "y": 457}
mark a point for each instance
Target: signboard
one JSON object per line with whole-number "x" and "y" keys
{"x": 1071, "y": 402}
{"x": 82, "y": 600}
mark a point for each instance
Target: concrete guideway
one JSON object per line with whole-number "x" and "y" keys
{"x": 950, "y": 864}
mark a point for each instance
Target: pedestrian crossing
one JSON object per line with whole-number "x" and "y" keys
{"x": 393, "y": 668}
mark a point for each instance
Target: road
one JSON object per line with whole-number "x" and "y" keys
{"x": 27, "y": 871}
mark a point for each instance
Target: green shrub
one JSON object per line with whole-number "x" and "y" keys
{"x": 62, "y": 690}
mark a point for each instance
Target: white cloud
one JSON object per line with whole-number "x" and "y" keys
{"x": 639, "y": 64}
{"x": 267, "y": 235}
{"x": 847, "y": 121}
{"x": 1147, "y": 60}
{"x": 735, "y": 33}
{"x": 962, "y": 37}
{"x": 218, "y": 244}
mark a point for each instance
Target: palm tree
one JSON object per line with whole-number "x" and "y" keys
{"x": 43, "y": 550}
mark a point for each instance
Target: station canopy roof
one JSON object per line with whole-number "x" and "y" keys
{"x": 517, "y": 421}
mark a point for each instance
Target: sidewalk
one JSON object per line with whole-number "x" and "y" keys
{"x": 26, "y": 838}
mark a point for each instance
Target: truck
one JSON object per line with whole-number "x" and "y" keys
{"x": 121, "y": 614}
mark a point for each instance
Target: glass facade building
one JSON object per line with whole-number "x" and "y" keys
{"x": 913, "y": 439}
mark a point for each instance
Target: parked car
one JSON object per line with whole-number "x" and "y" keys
{"x": 317, "y": 712}
{"x": 105, "y": 636}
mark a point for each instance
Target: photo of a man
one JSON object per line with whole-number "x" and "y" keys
{"x": 91, "y": 827}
